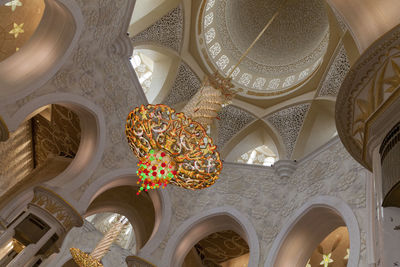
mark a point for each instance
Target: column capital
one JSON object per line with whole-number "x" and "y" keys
{"x": 57, "y": 207}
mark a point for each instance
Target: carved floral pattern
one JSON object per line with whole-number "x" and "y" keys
{"x": 57, "y": 207}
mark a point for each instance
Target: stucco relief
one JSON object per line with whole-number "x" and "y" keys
{"x": 104, "y": 79}
{"x": 268, "y": 200}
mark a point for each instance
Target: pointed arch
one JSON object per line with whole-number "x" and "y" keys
{"x": 93, "y": 132}
{"x": 160, "y": 199}
{"x": 47, "y": 50}
{"x": 309, "y": 225}
{"x": 201, "y": 225}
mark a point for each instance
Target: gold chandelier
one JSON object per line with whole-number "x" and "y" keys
{"x": 175, "y": 147}
{"x": 94, "y": 259}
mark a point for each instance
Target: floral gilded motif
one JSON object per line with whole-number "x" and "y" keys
{"x": 184, "y": 141}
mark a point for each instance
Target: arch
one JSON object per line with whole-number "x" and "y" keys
{"x": 165, "y": 63}
{"x": 255, "y": 134}
{"x": 92, "y": 141}
{"x": 151, "y": 12}
{"x": 289, "y": 249}
{"x": 318, "y": 128}
{"x": 201, "y": 225}
{"x": 160, "y": 198}
{"x": 43, "y": 55}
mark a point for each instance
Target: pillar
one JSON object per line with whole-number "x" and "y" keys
{"x": 30, "y": 251}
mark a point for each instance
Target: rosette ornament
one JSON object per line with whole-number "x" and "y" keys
{"x": 171, "y": 148}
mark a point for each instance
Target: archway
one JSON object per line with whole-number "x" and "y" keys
{"x": 308, "y": 227}
{"x": 138, "y": 209}
{"x": 80, "y": 126}
{"x": 201, "y": 226}
{"x": 45, "y": 52}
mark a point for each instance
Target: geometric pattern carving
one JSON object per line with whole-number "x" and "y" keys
{"x": 57, "y": 207}
{"x": 168, "y": 31}
{"x": 231, "y": 120}
{"x": 288, "y": 123}
{"x": 186, "y": 85}
{"x": 336, "y": 74}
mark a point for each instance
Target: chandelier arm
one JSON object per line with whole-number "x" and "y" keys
{"x": 257, "y": 38}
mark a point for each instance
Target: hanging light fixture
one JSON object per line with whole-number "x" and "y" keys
{"x": 174, "y": 147}
{"x": 94, "y": 259}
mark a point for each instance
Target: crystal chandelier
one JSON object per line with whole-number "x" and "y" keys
{"x": 175, "y": 147}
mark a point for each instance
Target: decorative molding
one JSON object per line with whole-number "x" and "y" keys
{"x": 369, "y": 89}
{"x": 336, "y": 73}
{"x": 222, "y": 43}
{"x": 288, "y": 123}
{"x": 122, "y": 46}
{"x": 231, "y": 120}
{"x": 186, "y": 85}
{"x": 285, "y": 168}
{"x": 4, "y": 133}
{"x": 57, "y": 207}
{"x": 168, "y": 31}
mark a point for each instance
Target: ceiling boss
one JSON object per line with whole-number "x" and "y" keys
{"x": 174, "y": 148}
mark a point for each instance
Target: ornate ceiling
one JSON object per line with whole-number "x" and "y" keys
{"x": 285, "y": 55}
{"x": 306, "y": 48}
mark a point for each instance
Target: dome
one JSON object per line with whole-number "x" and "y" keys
{"x": 285, "y": 55}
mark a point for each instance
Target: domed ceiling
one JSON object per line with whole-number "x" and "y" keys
{"x": 285, "y": 55}
{"x": 287, "y": 84}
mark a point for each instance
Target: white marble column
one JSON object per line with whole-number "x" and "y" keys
{"x": 29, "y": 252}
{"x": 9, "y": 232}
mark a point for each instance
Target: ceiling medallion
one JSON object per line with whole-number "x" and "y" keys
{"x": 284, "y": 58}
{"x": 94, "y": 259}
{"x": 174, "y": 148}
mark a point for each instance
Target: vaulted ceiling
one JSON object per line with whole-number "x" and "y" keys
{"x": 307, "y": 48}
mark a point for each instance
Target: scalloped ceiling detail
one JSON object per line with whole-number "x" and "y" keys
{"x": 288, "y": 123}
{"x": 286, "y": 54}
{"x": 168, "y": 31}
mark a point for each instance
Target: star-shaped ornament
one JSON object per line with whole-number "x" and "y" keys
{"x": 347, "y": 255}
{"x": 17, "y": 29}
{"x": 13, "y": 4}
{"x": 327, "y": 259}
